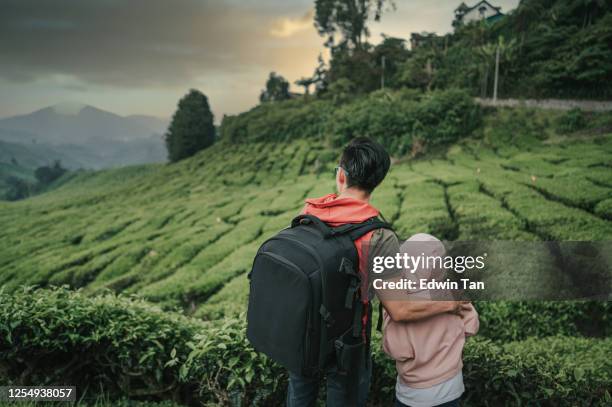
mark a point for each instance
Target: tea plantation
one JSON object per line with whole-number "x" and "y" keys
{"x": 175, "y": 243}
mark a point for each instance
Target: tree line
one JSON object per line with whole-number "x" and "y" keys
{"x": 547, "y": 48}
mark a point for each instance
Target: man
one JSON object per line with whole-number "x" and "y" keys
{"x": 363, "y": 166}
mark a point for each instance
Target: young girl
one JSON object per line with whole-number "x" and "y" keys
{"x": 428, "y": 353}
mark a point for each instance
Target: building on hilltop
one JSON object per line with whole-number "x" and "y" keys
{"x": 481, "y": 11}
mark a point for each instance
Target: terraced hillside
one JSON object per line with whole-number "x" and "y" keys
{"x": 184, "y": 235}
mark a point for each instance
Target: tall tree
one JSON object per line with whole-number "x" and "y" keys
{"x": 277, "y": 88}
{"x": 192, "y": 128}
{"x": 358, "y": 66}
{"x": 347, "y": 18}
{"x": 393, "y": 51}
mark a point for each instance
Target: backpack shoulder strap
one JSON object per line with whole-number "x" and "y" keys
{"x": 353, "y": 230}
{"x": 356, "y": 230}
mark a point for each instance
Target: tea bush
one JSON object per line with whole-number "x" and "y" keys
{"x": 480, "y": 217}
{"x": 573, "y": 190}
{"x": 556, "y": 222}
{"x": 229, "y": 302}
{"x": 604, "y": 209}
{"x": 553, "y": 371}
{"x": 518, "y": 320}
{"x": 423, "y": 210}
{"x": 124, "y": 347}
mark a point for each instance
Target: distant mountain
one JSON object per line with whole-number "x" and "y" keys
{"x": 89, "y": 136}
{"x": 158, "y": 125}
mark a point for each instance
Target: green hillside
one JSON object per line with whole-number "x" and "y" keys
{"x": 183, "y": 236}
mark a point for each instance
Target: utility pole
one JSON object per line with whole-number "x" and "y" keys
{"x": 496, "y": 75}
{"x": 382, "y": 77}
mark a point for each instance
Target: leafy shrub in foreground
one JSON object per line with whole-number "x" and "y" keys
{"x": 553, "y": 371}
{"x": 226, "y": 368}
{"x": 124, "y": 347}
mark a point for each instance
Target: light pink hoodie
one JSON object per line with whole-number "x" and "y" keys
{"x": 429, "y": 351}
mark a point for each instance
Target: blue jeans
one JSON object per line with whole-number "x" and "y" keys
{"x": 303, "y": 391}
{"x": 452, "y": 403}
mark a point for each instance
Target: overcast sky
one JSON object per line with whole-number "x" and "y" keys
{"x": 141, "y": 56}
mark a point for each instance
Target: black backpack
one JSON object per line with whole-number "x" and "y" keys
{"x": 304, "y": 309}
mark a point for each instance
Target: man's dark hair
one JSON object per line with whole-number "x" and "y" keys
{"x": 366, "y": 163}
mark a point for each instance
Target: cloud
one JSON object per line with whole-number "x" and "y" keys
{"x": 142, "y": 55}
{"x": 140, "y": 42}
{"x": 286, "y": 26}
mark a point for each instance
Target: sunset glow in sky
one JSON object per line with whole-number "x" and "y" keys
{"x": 141, "y": 56}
